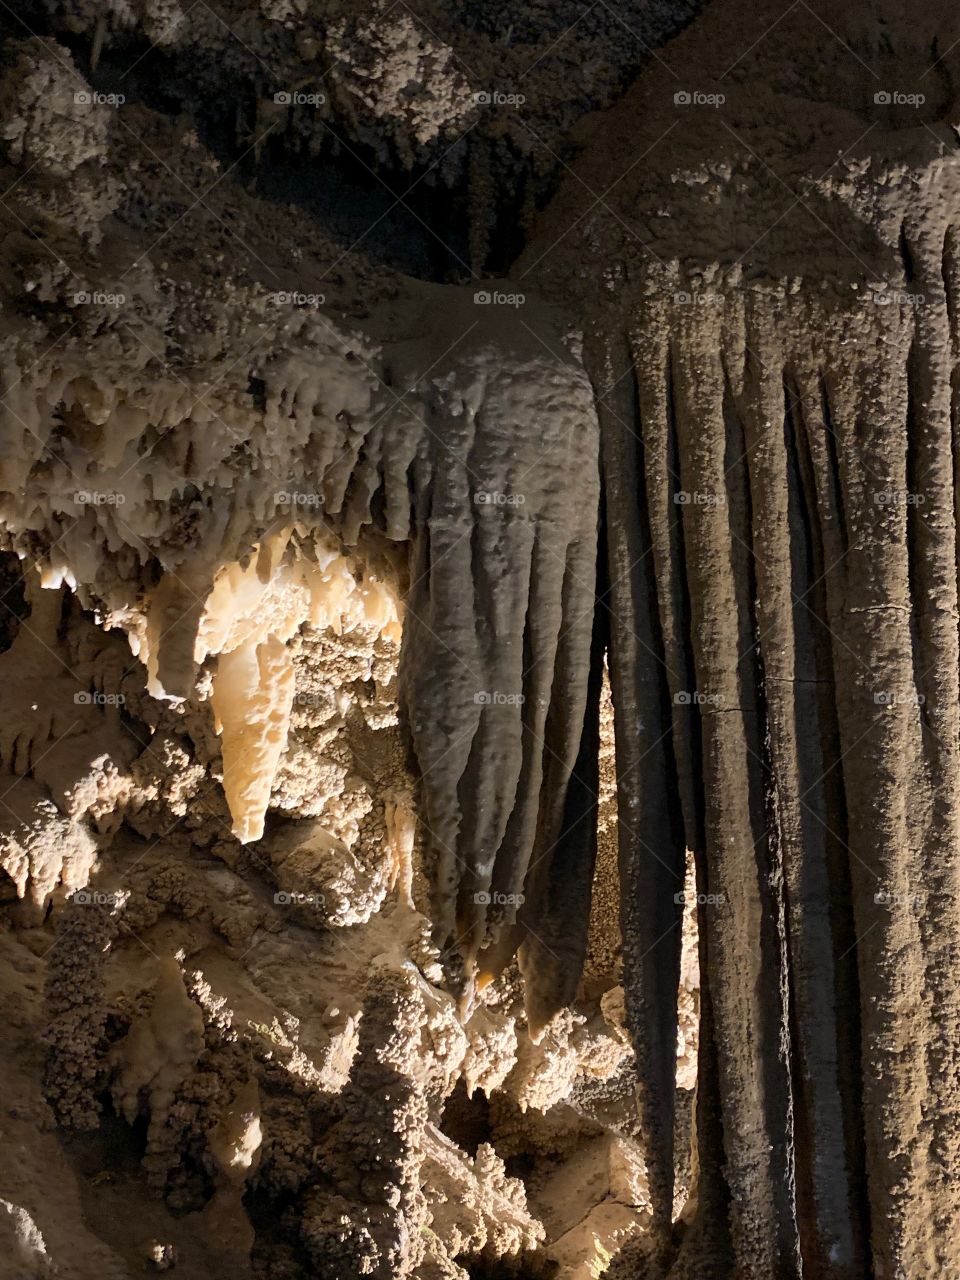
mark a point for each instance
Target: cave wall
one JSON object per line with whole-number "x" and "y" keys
{"x": 705, "y": 425}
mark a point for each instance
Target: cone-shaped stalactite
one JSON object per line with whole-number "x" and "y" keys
{"x": 498, "y": 684}
{"x": 644, "y": 676}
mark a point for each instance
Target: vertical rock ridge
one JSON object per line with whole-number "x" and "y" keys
{"x": 845, "y": 591}
{"x": 556, "y": 910}
{"x": 932, "y": 534}
{"x": 643, "y": 678}
{"x": 654, "y": 374}
{"x": 739, "y": 923}
{"x": 825, "y": 1104}
{"x": 542, "y": 626}
{"x": 502, "y": 604}
{"x": 880, "y": 741}
{"x": 772, "y": 596}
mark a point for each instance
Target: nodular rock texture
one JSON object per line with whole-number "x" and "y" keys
{"x": 705, "y": 428}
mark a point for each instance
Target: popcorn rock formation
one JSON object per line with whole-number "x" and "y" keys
{"x": 452, "y": 716}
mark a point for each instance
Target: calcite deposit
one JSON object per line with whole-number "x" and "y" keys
{"x": 479, "y": 650}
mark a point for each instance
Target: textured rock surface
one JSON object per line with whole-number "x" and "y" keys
{"x": 779, "y": 458}
{"x": 378, "y": 631}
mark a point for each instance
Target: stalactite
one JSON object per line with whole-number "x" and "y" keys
{"x": 478, "y": 467}
{"x": 498, "y": 739}
{"x": 644, "y": 677}
{"x": 746, "y": 488}
{"x": 850, "y": 670}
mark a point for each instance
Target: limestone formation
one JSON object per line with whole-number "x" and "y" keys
{"x": 478, "y": 773}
